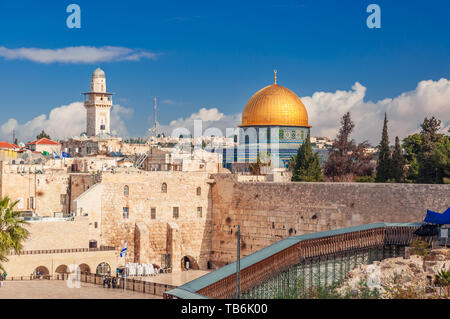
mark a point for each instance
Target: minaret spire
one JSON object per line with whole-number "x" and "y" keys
{"x": 275, "y": 76}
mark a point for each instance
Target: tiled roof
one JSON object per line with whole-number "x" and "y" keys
{"x": 44, "y": 141}
{"x": 8, "y": 145}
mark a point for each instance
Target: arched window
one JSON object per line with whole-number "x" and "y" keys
{"x": 126, "y": 190}
{"x": 164, "y": 188}
{"x": 199, "y": 191}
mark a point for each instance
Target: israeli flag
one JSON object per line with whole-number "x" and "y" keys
{"x": 64, "y": 154}
{"x": 56, "y": 155}
{"x": 123, "y": 252}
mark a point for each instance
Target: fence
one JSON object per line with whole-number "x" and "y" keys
{"x": 136, "y": 285}
{"x": 60, "y": 251}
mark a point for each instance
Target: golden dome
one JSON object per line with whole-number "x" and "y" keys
{"x": 275, "y": 105}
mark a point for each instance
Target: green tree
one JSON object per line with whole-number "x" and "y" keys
{"x": 384, "y": 165}
{"x": 412, "y": 145}
{"x": 307, "y": 166}
{"x": 12, "y": 231}
{"x": 43, "y": 135}
{"x": 16, "y": 141}
{"x": 398, "y": 162}
{"x": 346, "y": 158}
{"x": 428, "y": 169}
{"x": 441, "y": 158}
{"x": 427, "y": 154}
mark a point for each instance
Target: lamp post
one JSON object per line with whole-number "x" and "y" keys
{"x": 238, "y": 264}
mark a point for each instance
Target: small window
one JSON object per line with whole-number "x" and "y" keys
{"x": 31, "y": 203}
{"x": 176, "y": 212}
{"x": 92, "y": 243}
{"x": 199, "y": 212}
{"x": 126, "y": 190}
{"x": 199, "y": 191}
{"x": 153, "y": 213}
{"x": 102, "y": 127}
{"x": 125, "y": 212}
{"x": 95, "y": 225}
{"x": 62, "y": 199}
{"x": 164, "y": 188}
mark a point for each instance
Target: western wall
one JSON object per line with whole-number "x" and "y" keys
{"x": 268, "y": 212}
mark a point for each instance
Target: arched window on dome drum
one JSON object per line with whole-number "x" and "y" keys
{"x": 164, "y": 188}
{"x": 199, "y": 191}
{"x": 126, "y": 190}
{"x": 247, "y": 139}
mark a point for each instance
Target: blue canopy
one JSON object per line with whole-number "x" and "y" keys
{"x": 437, "y": 218}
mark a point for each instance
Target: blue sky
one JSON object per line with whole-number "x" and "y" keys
{"x": 212, "y": 54}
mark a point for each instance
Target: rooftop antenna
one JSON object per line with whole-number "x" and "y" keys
{"x": 155, "y": 114}
{"x": 275, "y": 76}
{"x": 154, "y": 129}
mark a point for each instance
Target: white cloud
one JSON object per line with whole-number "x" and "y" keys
{"x": 405, "y": 112}
{"x": 212, "y": 118}
{"x": 118, "y": 116}
{"x": 325, "y": 109}
{"x": 61, "y": 123}
{"x": 79, "y": 54}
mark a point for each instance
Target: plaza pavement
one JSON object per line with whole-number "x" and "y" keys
{"x": 57, "y": 289}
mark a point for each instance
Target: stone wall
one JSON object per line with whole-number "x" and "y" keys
{"x": 80, "y": 183}
{"x": 268, "y": 212}
{"x": 25, "y": 265}
{"x": 57, "y": 234}
{"x": 49, "y": 190}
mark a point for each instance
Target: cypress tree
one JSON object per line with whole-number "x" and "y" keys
{"x": 398, "y": 162}
{"x": 307, "y": 166}
{"x": 384, "y": 171}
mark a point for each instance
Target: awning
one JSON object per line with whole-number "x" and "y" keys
{"x": 438, "y": 218}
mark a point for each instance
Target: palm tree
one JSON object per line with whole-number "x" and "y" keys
{"x": 12, "y": 231}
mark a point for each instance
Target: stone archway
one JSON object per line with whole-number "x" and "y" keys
{"x": 62, "y": 269}
{"x": 189, "y": 262}
{"x": 103, "y": 269}
{"x": 84, "y": 268}
{"x": 41, "y": 272}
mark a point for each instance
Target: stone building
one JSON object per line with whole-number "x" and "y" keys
{"x": 98, "y": 105}
{"x": 44, "y": 145}
{"x": 160, "y": 213}
{"x": 274, "y": 125}
{"x": 8, "y": 151}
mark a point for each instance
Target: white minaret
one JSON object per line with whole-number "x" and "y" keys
{"x": 98, "y": 105}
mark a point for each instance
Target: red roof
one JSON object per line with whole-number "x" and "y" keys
{"x": 44, "y": 141}
{"x": 8, "y": 145}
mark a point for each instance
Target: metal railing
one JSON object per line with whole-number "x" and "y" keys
{"x": 60, "y": 251}
{"x": 132, "y": 284}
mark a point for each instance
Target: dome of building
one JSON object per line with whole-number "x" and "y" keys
{"x": 98, "y": 73}
{"x": 275, "y": 105}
